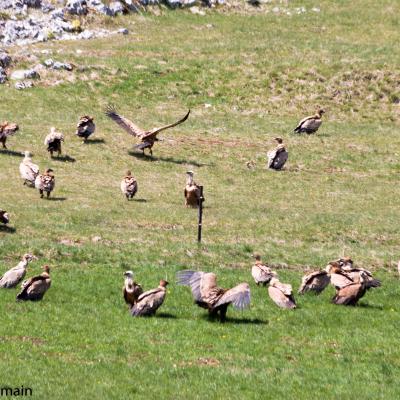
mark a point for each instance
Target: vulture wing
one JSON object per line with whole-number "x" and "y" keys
{"x": 156, "y": 131}
{"x": 239, "y": 296}
{"x": 301, "y": 123}
{"x": 34, "y": 288}
{"x": 340, "y": 280}
{"x": 12, "y": 277}
{"x": 316, "y": 281}
{"x": 280, "y": 299}
{"x": 349, "y": 295}
{"x": 148, "y": 302}
{"x": 192, "y": 279}
{"x": 123, "y": 122}
{"x": 8, "y": 129}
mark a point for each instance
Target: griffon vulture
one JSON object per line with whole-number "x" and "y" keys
{"x": 208, "y": 295}
{"x": 28, "y": 170}
{"x": 131, "y": 290}
{"x": 315, "y": 282}
{"x": 147, "y": 138}
{"x": 149, "y": 302}
{"x": 192, "y": 191}
{"x": 4, "y": 217}
{"x": 45, "y": 183}
{"x": 261, "y": 272}
{"x": 7, "y": 129}
{"x": 278, "y": 156}
{"x": 310, "y": 124}
{"x": 35, "y": 288}
{"x": 129, "y": 185}
{"x": 281, "y": 294}
{"x": 14, "y": 276}
{"x": 53, "y": 141}
{"x": 350, "y": 294}
{"x": 85, "y": 127}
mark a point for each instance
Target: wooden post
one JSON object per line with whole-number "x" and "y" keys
{"x": 200, "y": 215}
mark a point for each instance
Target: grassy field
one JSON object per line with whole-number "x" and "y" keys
{"x": 247, "y": 78}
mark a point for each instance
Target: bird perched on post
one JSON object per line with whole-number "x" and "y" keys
{"x": 350, "y": 294}
{"x": 14, "y": 276}
{"x": 85, "y": 127}
{"x": 129, "y": 185}
{"x": 208, "y": 295}
{"x": 147, "y": 138}
{"x": 53, "y": 141}
{"x": 28, "y": 170}
{"x": 7, "y": 129}
{"x": 281, "y": 294}
{"x": 131, "y": 290}
{"x": 34, "y": 288}
{"x": 278, "y": 156}
{"x": 261, "y": 272}
{"x": 45, "y": 182}
{"x": 311, "y": 123}
{"x": 315, "y": 281}
{"x": 4, "y": 217}
{"x": 149, "y": 302}
{"x": 192, "y": 191}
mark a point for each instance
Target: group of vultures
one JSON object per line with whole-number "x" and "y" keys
{"x": 350, "y": 282}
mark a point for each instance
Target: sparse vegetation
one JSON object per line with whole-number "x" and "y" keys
{"x": 247, "y": 79}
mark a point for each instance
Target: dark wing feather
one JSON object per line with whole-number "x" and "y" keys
{"x": 156, "y": 131}
{"x": 123, "y": 122}
{"x": 239, "y": 296}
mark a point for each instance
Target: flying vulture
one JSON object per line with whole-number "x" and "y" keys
{"x": 310, "y": 124}
{"x": 53, "y": 141}
{"x": 45, "y": 182}
{"x": 129, "y": 185}
{"x": 131, "y": 290}
{"x": 350, "y": 294}
{"x": 278, "y": 156}
{"x": 14, "y": 276}
{"x": 315, "y": 282}
{"x": 28, "y": 170}
{"x": 4, "y": 217}
{"x": 208, "y": 295}
{"x": 7, "y": 129}
{"x": 35, "y": 288}
{"x": 261, "y": 272}
{"x": 149, "y": 302}
{"x": 192, "y": 191}
{"x": 281, "y": 294}
{"x": 85, "y": 127}
{"x": 147, "y": 138}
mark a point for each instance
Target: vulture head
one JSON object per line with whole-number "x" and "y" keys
{"x": 29, "y": 257}
{"x": 46, "y": 269}
{"x": 279, "y": 140}
{"x": 333, "y": 267}
{"x": 190, "y": 175}
{"x": 163, "y": 283}
{"x": 128, "y": 274}
{"x": 128, "y": 173}
{"x": 27, "y": 154}
{"x": 4, "y": 217}
{"x": 48, "y": 171}
{"x": 320, "y": 111}
{"x": 346, "y": 263}
{"x": 257, "y": 257}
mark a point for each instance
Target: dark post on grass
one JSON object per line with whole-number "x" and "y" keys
{"x": 200, "y": 215}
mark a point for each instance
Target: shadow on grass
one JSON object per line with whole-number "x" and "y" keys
{"x": 239, "y": 321}
{"x": 372, "y": 306}
{"x": 146, "y": 157}
{"x": 64, "y": 158}
{"x": 140, "y": 200}
{"x": 95, "y": 141}
{"x": 11, "y": 153}
{"x": 56, "y": 198}
{"x": 166, "y": 316}
{"x": 8, "y": 229}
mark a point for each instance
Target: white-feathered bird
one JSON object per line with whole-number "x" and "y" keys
{"x": 311, "y": 123}
{"x": 14, "y": 276}
{"x": 28, "y": 170}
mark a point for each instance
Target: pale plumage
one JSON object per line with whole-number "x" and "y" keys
{"x": 53, "y": 141}
{"x": 350, "y": 294}
{"x": 261, "y": 272}
{"x": 147, "y": 137}
{"x": 4, "y": 217}
{"x": 85, "y": 127}
{"x": 131, "y": 290}
{"x": 355, "y": 275}
{"x": 315, "y": 282}
{"x": 208, "y": 295}
{"x": 192, "y": 191}
{"x": 45, "y": 182}
{"x": 310, "y": 124}
{"x": 35, "y": 288}
{"x": 28, "y": 170}
{"x": 7, "y": 129}
{"x": 149, "y": 302}
{"x": 14, "y": 276}
{"x": 129, "y": 185}
{"x": 278, "y": 156}
{"x": 281, "y": 294}
{"x": 338, "y": 278}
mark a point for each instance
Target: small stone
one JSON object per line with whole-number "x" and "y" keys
{"x": 20, "y": 74}
{"x": 5, "y": 59}
{"x": 123, "y": 31}
{"x": 96, "y": 239}
{"x": 3, "y": 76}
{"x": 23, "y": 85}
{"x": 49, "y": 62}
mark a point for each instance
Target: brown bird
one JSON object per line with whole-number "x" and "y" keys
{"x": 7, "y": 129}
{"x": 53, "y": 141}
{"x": 192, "y": 191}
{"x": 278, "y": 156}
{"x": 129, "y": 185}
{"x": 45, "y": 183}
{"x": 310, "y": 124}
{"x": 131, "y": 290}
{"x": 355, "y": 275}
{"x": 4, "y": 217}
{"x": 35, "y": 288}
{"x": 350, "y": 294}
{"x": 149, "y": 302}
{"x": 315, "y": 282}
{"x": 85, "y": 127}
{"x": 14, "y": 276}
{"x": 339, "y": 279}
{"x": 261, "y": 272}
{"x": 208, "y": 295}
{"x": 147, "y": 138}
{"x": 281, "y": 294}
{"x": 345, "y": 262}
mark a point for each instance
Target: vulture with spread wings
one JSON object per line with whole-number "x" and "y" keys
{"x": 147, "y": 138}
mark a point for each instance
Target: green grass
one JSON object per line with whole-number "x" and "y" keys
{"x": 338, "y": 195}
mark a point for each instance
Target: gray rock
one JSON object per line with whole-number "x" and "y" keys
{"x": 20, "y": 74}
{"x": 123, "y": 31}
{"x": 116, "y": 7}
{"x": 5, "y": 59}
{"x": 23, "y": 85}
{"x": 77, "y": 7}
{"x": 49, "y": 62}
{"x": 60, "y": 65}
{"x": 3, "y": 76}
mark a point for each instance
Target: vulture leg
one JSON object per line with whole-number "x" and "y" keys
{"x": 51, "y": 153}
{"x": 3, "y": 141}
{"x": 48, "y": 194}
{"x": 222, "y": 312}
{"x": 41, "y": 193}
{"x": 151, "y": 151}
